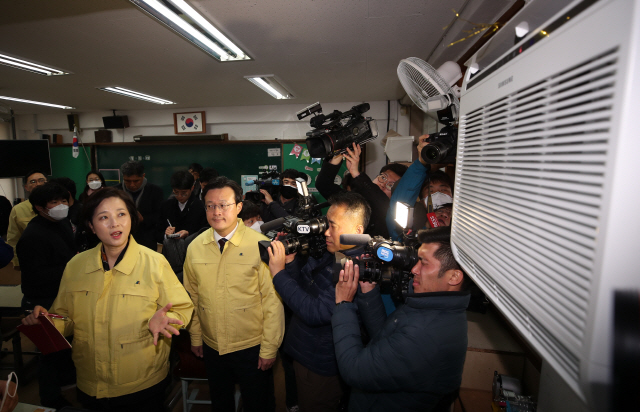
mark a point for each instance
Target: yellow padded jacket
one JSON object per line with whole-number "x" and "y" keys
{"x": 108, "y": 313}
{"x": 19, "y": 218}
{"x": 236, "y": 305}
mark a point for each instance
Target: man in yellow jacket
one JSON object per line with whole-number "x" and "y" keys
{"x": 238, "y": 320}
{"x": 22, "y": 213}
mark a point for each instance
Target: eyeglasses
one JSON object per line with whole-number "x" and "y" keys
{"x": 223, "y": 207}
{"x": 385, "y": 179}
{"x": 181, "y": 193}
{"x": 34, "y": 181}
{"x": 8, "y": 386}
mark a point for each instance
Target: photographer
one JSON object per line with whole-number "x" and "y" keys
{"x": 287, "y": 202}
{"x": 309, "y": 292}
{"x": 415, "y": 358}
{"x": 377, "y": 192}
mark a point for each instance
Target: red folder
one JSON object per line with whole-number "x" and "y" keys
{"x": 45, "y": 336}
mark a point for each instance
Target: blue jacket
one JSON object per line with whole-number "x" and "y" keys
{"x": 310, "y": 294}
{"x": 407, "y": 190}
{"x": 415, "y": 355}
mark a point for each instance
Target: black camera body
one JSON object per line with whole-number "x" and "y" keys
{"x": 305, "y": 236}
{"x": 332, "y": 134}
{"x": 386, "y": 262}
{"x": 270, "y": 181}
{"x": 442, "y": 146}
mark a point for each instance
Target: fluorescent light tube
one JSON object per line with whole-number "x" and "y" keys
{"x": 136, "y": 95}
{"x": 191, "y": 31}
{"x": 14, "y": 99}
{"x": 29, "y": 66}
{"x": 269, "y": 84}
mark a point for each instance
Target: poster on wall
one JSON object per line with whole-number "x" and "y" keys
{"x": 296, "y": 156}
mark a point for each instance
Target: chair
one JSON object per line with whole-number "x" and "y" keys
{"x": 191, "y": 368}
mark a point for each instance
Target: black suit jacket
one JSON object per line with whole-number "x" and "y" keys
{"x": 149, "y": 208}
{"x": 192, "y": 218}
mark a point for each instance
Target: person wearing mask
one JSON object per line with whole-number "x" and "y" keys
{"x": 377, "y": 191}
{"x": 22, "y": 213}
{"x": 122, "y": 302}
{"x": 184, "y": 213}
{"x": 239, "y": 320}
{"x": 250, "y": 215}
{"x": 74, "y": 206}
{"x": 147, "y": 198}
{"x": 286, "y": 203}
{"x": 45, "y": 248}
{"x": 309, "y": 291}
{"x": 95, "y": 181}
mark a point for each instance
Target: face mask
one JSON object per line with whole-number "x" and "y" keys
{"x": 8, "y": 393}
{"x": 59, "y": 212}
{"x": 95, "y": 185}
{"x": 438, "y": 199}
{"x": 288, "y": 192}
{"x": 256, "y": 226}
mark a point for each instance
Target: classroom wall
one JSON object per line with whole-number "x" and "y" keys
{"x": 272, "y": 122}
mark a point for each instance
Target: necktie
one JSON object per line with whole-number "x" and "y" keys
{"x": 221, "y": 242}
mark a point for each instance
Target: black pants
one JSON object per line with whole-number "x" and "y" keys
{"x": 224, "y": 371}
{"x": 146, "y": 400}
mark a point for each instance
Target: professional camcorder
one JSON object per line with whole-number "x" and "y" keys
{"x": 270, "y": 181}
{"x": 386, "y": 262}
{"x": 333, "y": 133}
{"x": 443, "y": 145}
{"x": 304, "y": 232}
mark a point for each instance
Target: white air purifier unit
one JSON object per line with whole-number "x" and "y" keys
{"x": 546, "y": 187}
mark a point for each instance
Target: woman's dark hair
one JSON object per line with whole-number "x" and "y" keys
{"x": 221, "y": 182}
{"x": 182, "y": 180}
{"x": 249, "y": 210}
{"x": 93, "y": 201}
{"x": 43, "y": 194}
{"x": 83, "y": 196}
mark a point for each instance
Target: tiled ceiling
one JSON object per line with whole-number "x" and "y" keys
{"x": 322, "y": 50}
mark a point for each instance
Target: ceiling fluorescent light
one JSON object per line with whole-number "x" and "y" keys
{"x": 191, "y": 27}
{"x": 29, "y": 66}
{"x": 269, "y": 84}
{"x": 14, "y": 99}
{"x": 136, "y": 95}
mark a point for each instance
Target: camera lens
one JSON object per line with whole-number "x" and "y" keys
{"x": 435, "y": 152}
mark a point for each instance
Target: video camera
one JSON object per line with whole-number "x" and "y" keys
{"x": 386, "y": 262}
{"x": 269, "y": 180}
{"x": 304, "y": 232}
{"x": 443, "y": 145}
{"x": 332, "y": 134}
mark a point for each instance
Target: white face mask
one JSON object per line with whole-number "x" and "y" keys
{"x": 438, "y": 199}
{"x": 256, "y": 226}
{"x": 95, "y": 185}
{"x": 59, "y": 212}
{"x": 7, "y": 392}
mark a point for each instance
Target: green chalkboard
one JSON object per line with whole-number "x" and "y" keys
{"x": 63, "y": 164}
{"x": 161, "y": 161}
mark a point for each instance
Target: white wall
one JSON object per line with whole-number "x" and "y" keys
{"x": 273, "y": 122}
{"x": 7, "y": 186}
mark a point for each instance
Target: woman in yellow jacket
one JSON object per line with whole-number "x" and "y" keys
{"x": 118, "y": 300}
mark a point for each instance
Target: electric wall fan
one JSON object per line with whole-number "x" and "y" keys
{"x": 424, "y": 84}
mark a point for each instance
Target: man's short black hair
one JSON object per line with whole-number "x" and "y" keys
{"x": 195, "y": 167}
{"x": 292, "y": 174}
{"x": 93, "y": 201}
{"x": 396, "y": 168}
{"x": 207, "y": 175}
{"x": 440, "y": 177}
{"x": 46, "y": 193}
{"x": 69, "y": 184}
{"x": 355, "y": 204}
{"x": 182, "y": 180}
{"x": 221, "y": 182}
{"x": 249, "y": 210}
{"x": 444, "y": 254}
{"x": 132, "y": 168}
{"x": 32, "y": 172}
